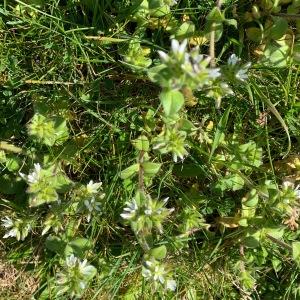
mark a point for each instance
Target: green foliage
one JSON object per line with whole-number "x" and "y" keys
{"x": 140, "y": 149}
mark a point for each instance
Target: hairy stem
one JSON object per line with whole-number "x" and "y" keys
{"x": 212, "y": 51}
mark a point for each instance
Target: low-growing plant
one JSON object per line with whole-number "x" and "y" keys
{"x": 145, "y": 150}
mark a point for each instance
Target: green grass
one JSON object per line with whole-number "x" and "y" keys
{"x": 49, "y": 64}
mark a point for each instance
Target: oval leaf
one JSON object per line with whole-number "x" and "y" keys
{"x": 172, "y": 101}
{"x": 130, "y": 171}
{"x": 159, "y": 252}
{"x": 150, "y": 168}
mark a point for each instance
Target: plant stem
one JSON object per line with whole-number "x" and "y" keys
{"x": 141, "y": 171}
{"x": 287, "y": 16}
{"x": 212, "y": 51}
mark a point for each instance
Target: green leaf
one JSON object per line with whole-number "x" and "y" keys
{"x": 61, "y": 130}
{"x": 10, "y": 184}
{"x": 219, "y": 132}
{"x": 172, "y": 101}
{"x": 159, "y": 252}
{"x": 276, "y": 56}
{"x": 275, "y": 232}
{"x": 215, "y": 15}
{"x": 232, "y": 182}
{"x": 185, "y": 30}
{"x": 251, "y": 241}
{"x": 296, "y": 251}
{"x": 130, "y": 171}
{"x": 188, "y": 170}
{"x": 13, "y": 163}
{"x": 150, "y": 168}
{"x": 296, "y": 53}
{"x": 160, "y": 12}
{"x": 78, "y": 247}
{"x": 61, "y": 183}
{"x": 47, "y": 195}
{"x": 231, "y": 22}
{"x": 251, "y": 199}
{"x": 55, "y": 244}
{"x": 278, "y": 29}
{"x": 254, "y": 34}
{"x": 141, "y": 143}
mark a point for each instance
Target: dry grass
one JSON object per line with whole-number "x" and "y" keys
{"x": 16, "y": 284}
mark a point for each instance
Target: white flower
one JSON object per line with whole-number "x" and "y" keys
{"x": 130, "y": 210}
{"x": 7, "y": 222}
{"x": 241, "y": 74}
{"x": 297, "y": 191}
{"x": 35, "y": 175}
{"x": 92, "y": 205}
{"x": 83, "y": 267}
{"x": 289, "y": 183}
{"x": 11, "y": 233}
{"x": 163, "y": 56}
{"x": 18, "y": 228}
{"x": 166, "y": 200}
{"x": 71, "y": 261}
{"x": 158, "y": 274}
{"x": 146, "y": 273}
{"x": 171, "y": 285}
{"x": 178, "y": 49}
{"x": 214, "y": 73}
{"x": 75, "y": 276}
{"x": 233, "y": 60}
{"x": 92, "y": 188}
{"x": 240, "y": 71}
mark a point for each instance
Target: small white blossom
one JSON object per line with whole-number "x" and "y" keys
{"x": 290, "y": 184}
{"x": 18, "y": 228}
{"x": 154, "y": 270}
{"x": 148, "y": 211}
{"x": 233, "y": 60}
{"x": 240, "y": 71}
{"x": 297, "y": 191}
{"x": 159, "y": 273}
{"x": 214, "y": 73}
{"x": 7, "y": 222}
{"x": 92, "y": 188}
{"x": 71, "y": 261}
{"x": 163, "y": 56}
{"x": 146, "y": 273}
{"x": 178, "y": 49}
{"x": 130, "y": 210}
{"x": 75, "y": 276}
{"x": 34, "y": 176}
{"x": 171, "y": 285}
{"x": 93, "y": 206}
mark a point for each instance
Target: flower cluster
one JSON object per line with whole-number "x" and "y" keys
{"x": 171, "y": 140}
{"x": 156, "y": 271}
{"x": 186, "y": 68}
{"x": 145, "y": 213}
{"x": 41, "y": 188}
{"x": 235, "y": 70}
{"x": 74, "y": 276}
{"x": 18, "y": 228}
{"x": 89, "y": 198}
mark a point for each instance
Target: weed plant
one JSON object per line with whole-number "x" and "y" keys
{"x": 149, "y": 149}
